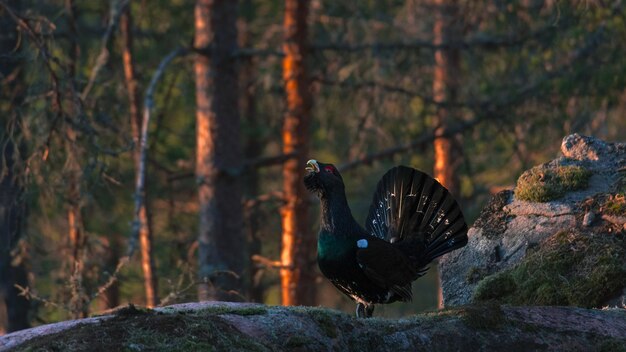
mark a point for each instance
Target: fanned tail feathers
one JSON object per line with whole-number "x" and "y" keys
{"x": 412, "y": 207}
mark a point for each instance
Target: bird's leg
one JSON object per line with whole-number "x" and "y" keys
{"x": 369, "y": 310}
{"x": 364, "y": 310}
{"x": 360, "y": 310}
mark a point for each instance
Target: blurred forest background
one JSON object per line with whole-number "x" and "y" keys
{"x": 232, "y": 98}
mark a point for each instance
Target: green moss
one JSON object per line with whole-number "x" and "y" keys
{"x": 612, "y": 345}
{"x": 483, "y": 316}
{"x": 243, "y": 311}
{"x": 131, "y": 309}
{"x": 475, "y": 274}
{"x": 615, "y": 204}
{"x": 569, "y": 269}
{"x": 325, "y": 321}
{"x": 573, "y": 177}
{"x": 495, "y": 286}
{"x": 150, "y": 332}
{"x": 296, "y": 341}
{"x": 543, "y": 184}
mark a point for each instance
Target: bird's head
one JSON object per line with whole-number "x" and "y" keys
{"x": 322, "y": 178}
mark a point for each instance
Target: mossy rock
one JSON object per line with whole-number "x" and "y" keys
{"x": 495, "y": 286}
{"x": 482, "y": 316}
{"x": 486, "y": 326}
{"x": 543, "y": 184}
{"x": 615, "y": 203}
{"x": 570, "y": 268}
{"x": 243, "y": 311}
{"x": 493, "y": 218}
{"x": 475, "y": 274}
{"x": 151, "y": 332}
{"x": 325, "y": 321}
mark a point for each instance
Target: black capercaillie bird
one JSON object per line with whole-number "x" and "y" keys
{"x": 412, "y": 220}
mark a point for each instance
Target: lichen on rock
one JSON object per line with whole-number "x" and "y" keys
{"x": 493, "y": 218}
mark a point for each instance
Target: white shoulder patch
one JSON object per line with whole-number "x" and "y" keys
{"x": 362, "y": 243}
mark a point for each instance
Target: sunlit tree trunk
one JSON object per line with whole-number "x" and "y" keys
{"x": 445, "y": 87}
{"x": 221, "y": 242}
{"x": 79, "y": 301}
{"x": 298, "y": 244}
{"x": 134, "y": 97}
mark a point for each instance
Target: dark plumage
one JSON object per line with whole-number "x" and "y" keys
{"x": 413, "y": 219}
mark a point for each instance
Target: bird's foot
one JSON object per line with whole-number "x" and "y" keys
{"x": 364, "y": 310}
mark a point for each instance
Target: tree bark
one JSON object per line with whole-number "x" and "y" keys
{"x": 298, "y": 244}
{"x": 110, "y": 298}
{"x": 253, "y": 149}
{"x": 145, "y": 229}
{"x": 12, "y": 214}
{"x": 221, "y": 241}
{"x": 12, "y": 205}
{"x": 445, "y": 87}
{"x": 79, "y": 301}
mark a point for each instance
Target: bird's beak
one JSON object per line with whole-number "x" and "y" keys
{"x": 312, "y": 166}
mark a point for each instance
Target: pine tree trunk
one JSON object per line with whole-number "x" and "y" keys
{"x": 445, "y": 87}
{"x": 298, "y": 244}
{"x": 221, "y": 241}
{"x": 253, "y": 148}
{"x": 12, "y": 204}
{"x": 145, "y": 230}
{"x": 110, "y": 298}
{"x": 79, "y": 301}
{"x": 12, "y": 213}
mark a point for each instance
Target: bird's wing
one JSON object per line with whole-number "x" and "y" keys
{"x": 387, "y": 266}
{"x": 410, "y": 205}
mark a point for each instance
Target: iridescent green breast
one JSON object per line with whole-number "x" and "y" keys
{"x": 334, "y": 247}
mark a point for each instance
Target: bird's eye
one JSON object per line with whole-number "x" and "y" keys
{"x": 329, "y": 169}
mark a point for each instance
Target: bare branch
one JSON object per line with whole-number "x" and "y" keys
{"x": 487, "y": 110}
{"x": 479, "y": 40}
{"x": 254, "y": 52}
{"x": 117, "y": 8}
{"x": 267, "y": 161}
{"x": 264, "y": 161}
{"x": 143, "y": 143}
{"x": 364, "y": 84}
{"x": 423, "y": 141}
{"x": 30, "y": 295}
{"x": 112, "y": 279}
{"x": 47, "y": 56}
{"x": 265, "y": 262}
{"x": 276, "y": 196}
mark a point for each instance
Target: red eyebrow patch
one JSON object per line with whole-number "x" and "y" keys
{"x": 329, "y": 168}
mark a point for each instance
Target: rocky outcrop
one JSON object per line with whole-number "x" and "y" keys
{"x": 509, "y": 230}
{"x": 225, "y": 326}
